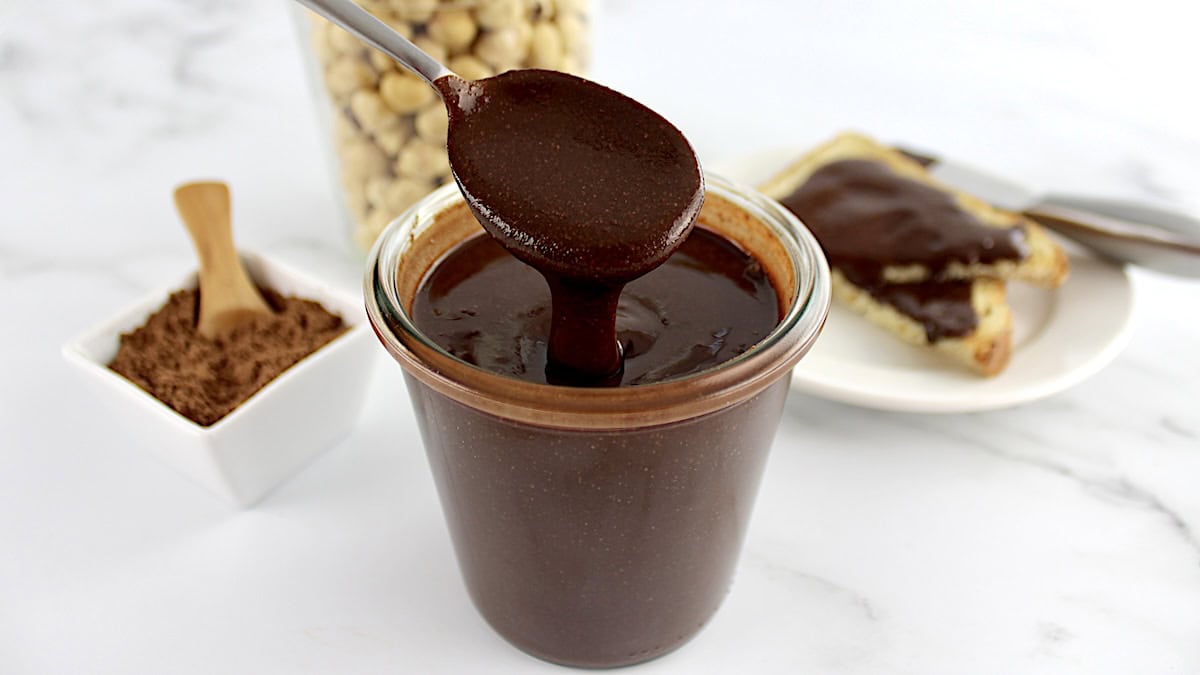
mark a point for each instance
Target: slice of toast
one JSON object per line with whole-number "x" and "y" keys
{"x": 985, "y": 343}
{"x": 1044, "y": 263}
{"x": 984, "y": 349}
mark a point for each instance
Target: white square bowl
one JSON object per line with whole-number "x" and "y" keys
{"x": 271, "y": 435}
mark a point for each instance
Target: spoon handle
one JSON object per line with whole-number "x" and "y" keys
{"x": 379, "y": 35}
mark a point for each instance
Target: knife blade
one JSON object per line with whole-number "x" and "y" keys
{"x": 1126, "y": 231}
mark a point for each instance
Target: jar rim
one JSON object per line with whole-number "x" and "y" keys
{"x": 566, "y": 407}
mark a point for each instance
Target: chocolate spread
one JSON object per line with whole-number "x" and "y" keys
{"x": 708, "y": 303}
{"x": 867, "y": 218}
{"x": 584, "y": 184}
{"x": 943, "y": 308}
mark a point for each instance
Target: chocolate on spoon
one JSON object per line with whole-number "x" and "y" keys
{"x": 228, "y": 298}
{"x": 575, "y": 179}
{"x": 584, "y": 184}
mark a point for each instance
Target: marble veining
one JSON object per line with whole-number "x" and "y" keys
{"x": 1062, "y": 536}
{"x": 807, "y": 582}
{"x": 1095, "y": 476}
{"x": 1175, "y": 427}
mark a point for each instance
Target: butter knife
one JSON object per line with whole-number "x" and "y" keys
{"x": 1125, "y": 231}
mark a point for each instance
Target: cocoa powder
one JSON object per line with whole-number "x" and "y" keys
{"x": 203, "y": 379}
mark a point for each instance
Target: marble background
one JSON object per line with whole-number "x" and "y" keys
{"x": 1062, "y": 536}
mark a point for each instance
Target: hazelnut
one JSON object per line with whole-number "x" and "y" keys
{"x": 571, "y": 64}
{"x": 392, "y": 141}
{"x": 413, "y": 11}
{"x": 419, "y": 159}
{"x": 380, "y": 62}
{"x": 400, "y": 194}
{"x": 574, "y": 32}
{"x": 431, "y": 47}
{"x": 346, "y": 75}
{"x": 470, "y": 67}
{"x": 344, "y": 129}
{"x": 572, "y": 7}
{"x": 431, "y": 124}
{"x": 454, "y": 28}
{"x": 404, "y": 92}
{"x": 375, "y": 223}
{"x": 320, "y": 40}
{"x": 504, "y": 48}
{"x": 541, "y": 10}
{"x": 375, "y": 188}
{"x": 372, "y": 113}
{"x": 361, "y": 160}
{"x": 495, "y": 14}
{"x": 342, "y": 42}
{"x": 546, "y": 46}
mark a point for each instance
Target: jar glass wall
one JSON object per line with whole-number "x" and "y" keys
{"x": 599, "y": 526}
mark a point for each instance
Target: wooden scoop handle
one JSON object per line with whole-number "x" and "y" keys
{"x": 228, "y": 297}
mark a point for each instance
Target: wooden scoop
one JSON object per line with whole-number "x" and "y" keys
{"x": 227, "y": 296}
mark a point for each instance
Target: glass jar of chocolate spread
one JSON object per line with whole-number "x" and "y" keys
{"x": 597, "y": 526}
{"x": 387, "y": 127}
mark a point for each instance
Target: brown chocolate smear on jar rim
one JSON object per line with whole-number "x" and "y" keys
{"x": 586, "y": 185}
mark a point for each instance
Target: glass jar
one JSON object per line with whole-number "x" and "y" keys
{"x": 599, "y": 527}
{"x": 387, "y": 127}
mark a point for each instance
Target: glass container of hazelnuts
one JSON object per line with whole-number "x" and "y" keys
{"x": 387, "y": 128}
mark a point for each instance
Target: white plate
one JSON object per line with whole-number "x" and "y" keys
{"x": 1060, "y": 338}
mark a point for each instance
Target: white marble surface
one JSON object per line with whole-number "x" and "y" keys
{"x": 1058, "y": 537}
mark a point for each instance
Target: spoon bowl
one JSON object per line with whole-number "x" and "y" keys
{"x": 573, "y": 178}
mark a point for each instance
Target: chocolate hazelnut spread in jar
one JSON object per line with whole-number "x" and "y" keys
{"x": 597, "y": 526}
{"x": 388, "y": 128}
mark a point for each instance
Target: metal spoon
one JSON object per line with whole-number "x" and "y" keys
{"x": 379, "y": 35}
